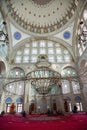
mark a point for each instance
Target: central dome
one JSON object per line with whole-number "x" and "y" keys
{"x": 41, "y": 17}
{"x": 41, "y": 2}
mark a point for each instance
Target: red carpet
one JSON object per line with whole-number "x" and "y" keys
{"x": 44, "y": 122}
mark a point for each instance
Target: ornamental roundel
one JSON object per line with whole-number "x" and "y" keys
{"x": 17, "y": 35}
{"x": 66, "y": 35}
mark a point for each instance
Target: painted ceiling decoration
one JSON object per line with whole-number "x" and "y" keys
{"x": 42, "y": 2}
{"x": 17, "y": 35}
{"x": 39, "y": 17}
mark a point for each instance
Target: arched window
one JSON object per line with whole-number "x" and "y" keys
{"x": 8, "y": 104}
{"x": 76, "y": 86}
{"x": 65, "y": 86}
{"x": 78, "y": 103}
{"x": 19, "y": 104}
{"x": 8, "y": 100}
{"x": 16, "y": 72}
{"x": 28, "y": 53}
{"x": 16, "y": 87}
{"x": 19, "y": 100}
{"x": 68, "y": 72}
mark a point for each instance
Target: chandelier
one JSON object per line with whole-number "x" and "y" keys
{"x": 43, "y": 78}
{"x": 82, "y": 32}
{"x": 3, "y": 35}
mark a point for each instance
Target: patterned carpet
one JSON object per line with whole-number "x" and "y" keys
{"x": 43, "y": 122}
{"x": 42, "y": 118}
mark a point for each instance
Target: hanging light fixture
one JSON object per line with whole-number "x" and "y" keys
{"x": 3, "y": 35}
{"x": 82, "y": 35}
{"x": 43, "y": 78}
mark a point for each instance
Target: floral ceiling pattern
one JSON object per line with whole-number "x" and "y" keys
{"x": 41, "y": 16}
